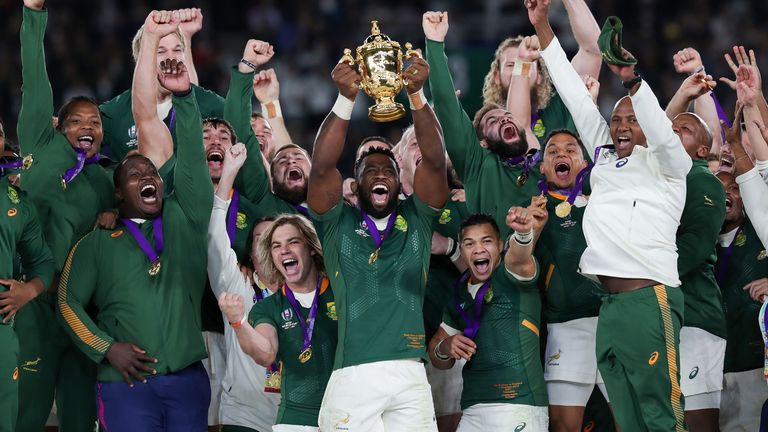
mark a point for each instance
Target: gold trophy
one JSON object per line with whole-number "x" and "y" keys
{"x": 380, "y": 62}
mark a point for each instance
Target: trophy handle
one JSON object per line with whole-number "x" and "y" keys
{"x": 411, "y": 53}
{"x": 347, "y": 57}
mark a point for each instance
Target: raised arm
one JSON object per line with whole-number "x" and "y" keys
{"x": 694, "y": 87}
{"x": 526, "y": 224}
{"x": 522, "y": 81}
{"x": 266, "y": 87}
{"x": 430, "y": 182}
{"x": 460, "y": 139}
{"x": 190, "y": 22}
{"x": 324, "y": 189}
{"x": 261, "y": 342}
{"x": 35, "y": 128}
{"x": 154, "y": 138}
{"x": 749, "y": 94}
{"x": 591, "y": 125}
{"x": 588, "y": 59}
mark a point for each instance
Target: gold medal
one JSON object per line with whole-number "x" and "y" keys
{"x": 522, "y": 178}
{"x": 154, "y": 268}
{"x": 563, "y": 209}
{"x": 374, "y": 256}
{"x": 305, "y": 355}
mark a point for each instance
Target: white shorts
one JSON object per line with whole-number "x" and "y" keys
{"x": 504, "y": 417}
{"x": 702, "y": 357}
{"x": 742, "y": 401}
{"x": 216, "y": 345}
{"x": 446, "y": 388}
{"x": 294, "y": 428}
{"x": 570, "y": 354}
{"x": 390, "y": 396}
{"x": 563, "y": 393}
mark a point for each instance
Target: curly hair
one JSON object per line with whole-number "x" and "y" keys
{"x": 492, "y": 91}
{"x": 264, "y": 245}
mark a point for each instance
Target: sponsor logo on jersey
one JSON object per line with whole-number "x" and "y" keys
{"x": 12, "y": 212}
{"x": 552, "y": 361}
{"x": 694, "y": 372}
{"x": 445, "y": 217}
{"x": 401, "y": 224}
{"x": 520, "y": 427}
{"x": 621, "y": 162}
{"x": 331, "y": 310}
{"x": 708, "y": 201}
{"x": 16, "y": 374}
{"x": 31, "y": 365}
{"x": 13, "y": 195}
{"x": 117, "y": 234}
{"x": 242, "y": 221}
{"x": 654, "y": 358}
{"x": 590, "y": 426}
{"x": 762, "y": 255}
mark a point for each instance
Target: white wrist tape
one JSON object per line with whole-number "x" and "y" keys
{"x": 523, "y": 239}
{"x": 417, "y": 100}
{"x": 343, "y": 107}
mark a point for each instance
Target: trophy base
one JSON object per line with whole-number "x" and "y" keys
{"x": 381, "y": 113}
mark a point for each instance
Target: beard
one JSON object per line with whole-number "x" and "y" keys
{"x": 293, "y": 196}
{"x": 366, "y": 204}
{"x": 513, "y": 149}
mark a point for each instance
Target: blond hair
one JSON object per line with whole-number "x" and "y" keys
{"x": 136, "y": 42}
{"x": 492, "y": 90}
{"x": 264, "y": 246}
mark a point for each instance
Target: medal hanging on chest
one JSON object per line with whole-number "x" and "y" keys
{"x": 81, "y": 162}
{"x": 563, "y": 209}
{"x": 274, "y": 378}
{"x": 308, "y": 326}
{"x": 152, "y": 253}
{"x": 378, "y": 238}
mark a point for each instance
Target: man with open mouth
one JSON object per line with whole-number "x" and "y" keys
{"x": 377, "y": 257}
{"x": 69, "y": 187}
{"x": 146, "y": 277}
{"x": 638, "y": 194}
{"x": 494, "y": 323}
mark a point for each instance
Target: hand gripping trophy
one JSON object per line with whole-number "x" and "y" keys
{"x": 380, "y": 63}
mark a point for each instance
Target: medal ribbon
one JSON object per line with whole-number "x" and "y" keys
{"x": 720, "y": 114}
{"x": 72, "y": 172}
{"x": 378, "y": 238}
{"x": 152, "y": 253}
{"x": 234, "y": 206}
{"x": 473, "y": 323}
{"x": 309, "y": 326}
{"x": 723, "y": 270}
{"x": 578, "y": 184}
{"x": 762, "y": 319}
{"x": 10, "y": 163}
{"x": 172, "y": 121}
{"x": 301, "y": 209}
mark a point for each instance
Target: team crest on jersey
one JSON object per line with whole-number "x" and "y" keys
{"x": 31, "y": 365}
{"x": 708, "y": 201}
{"x": 762, "y": 255}
{"x": 488, "y": 296}
{"x": 13, "y": 194}
{"x": 445, "y": 217}
{"x": 538, "y": 129}
{"x": 740, "y": 240}
{"x": 242, "y": 221}
{"x": 401, "y": 224}
{"x": 331, "y": 310}
{"x": 552, "y": 361}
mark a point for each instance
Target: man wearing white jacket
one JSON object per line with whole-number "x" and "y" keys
{"x": 638, "y": 194}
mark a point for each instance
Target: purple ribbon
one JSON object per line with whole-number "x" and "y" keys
{"x": 172, "y": 121}
{"x": 72, "y": 172}
{"x": 473, "y": 322}
{"x": 301, "y": 209}
{"x": 720, "y": 114}
{"x": 308, "y": 326}
{"x": 234, "y": 206}
{"x": 257, "y": 294}
{"x": 580, "y": 177}
{"x": 152, "y": 253}
{"x": 10, "y": 163}
{"x": 378, "y": 238}
{"x": 722, "y": 272}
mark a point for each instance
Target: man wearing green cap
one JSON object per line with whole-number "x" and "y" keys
{"x": 638, "y": 194}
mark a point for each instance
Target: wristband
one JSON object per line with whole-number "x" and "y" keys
{"x": 440, "y": 356}
{"x": 523, "y": 239}
{"x": 699, "y": 69}
{"x": 523, "y": 68}
{"x": 631, "y": 83}
{"x": 238, "y": 324}
{"x": 417, "y": 100}
{"x": 343, "y": 107}
{"x": 271, "y": 110}
{"x": 249, "y": 64}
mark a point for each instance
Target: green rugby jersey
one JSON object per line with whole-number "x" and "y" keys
{"x": 506, "y": 367}
{"x": 490, "y": 183}
{"x": 303, "y": 384}
{"x": 379, "y": 304}
{"x": 442, "y": 272}
{"x": 745, "y": 349}
{"x": 21, "y": 235}
{"x": 107, "y": 268}
{"x": 569, "y": 295}
{"x": 120, "y": 135}
{"x": 700, "y": 224}
{"x": 65, "y": 214}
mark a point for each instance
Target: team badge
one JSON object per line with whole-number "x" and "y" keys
{"x": 708, "y": 201}
{"x": 445, "y": 217}
{"x": 621, "y": 162}
{"x": 27, "y": 161}
{"x": 117, "y": 234}
{"x": 31, "y": 365}
{"x": 762, "y": 255}
{"x": 740, "y": 240}
{"x": 539, "y": 130}
{"x": 553, "y": 358}
{"x": 287, "y": 314}
{"x": 12, "y": 212}
{"x": 488, "y": 296}
{"x": 401, "y": 224}
{"x": 13, "y": 194}
{"x": 242, "y": 221}
{"x": 331, "y": 310}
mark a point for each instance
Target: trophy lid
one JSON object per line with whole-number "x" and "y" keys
{"x": 377, "y": 36}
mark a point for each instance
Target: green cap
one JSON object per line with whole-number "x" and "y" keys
{"x": 610, "y": 43}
